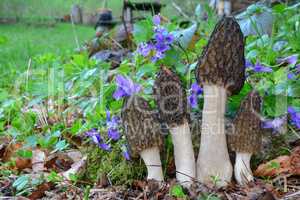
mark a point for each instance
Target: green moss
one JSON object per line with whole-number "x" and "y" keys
{"x": 113, "y": 164}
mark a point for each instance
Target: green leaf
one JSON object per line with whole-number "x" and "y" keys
{"x": 24, "y": 153}
{"x": 143, "y": 31}
{"x": 147, "y": 69}
{"x": 21, "y": 182}
{"x": 235, "y": 101}
{"x": 124, "y": 68}
{"x": 279, "y": 8}
{"x": 76, "y": 126}
{"x": 274, "y": 165}
{"x": 54, "y": 177}
{"x": 177, "y": 191}
{"x": 31, "y": 141}
{"x": 61, "y": 145}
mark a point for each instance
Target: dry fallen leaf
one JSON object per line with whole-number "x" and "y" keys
{"x": 40, "y": 191}
{"x": 76, "y": 168}
{"x": 295, "y": 161}
{"x": 281, "y": 165}
{"x": 274, "y": 167}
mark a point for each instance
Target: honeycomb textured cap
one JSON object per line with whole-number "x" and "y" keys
{"x": 170, "y": 98}
{"x": 141, "y": 127}
{"x": 222, "y": 61}
{"x": 246, "y": 135}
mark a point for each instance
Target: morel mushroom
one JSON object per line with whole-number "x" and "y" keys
{"x": 221, "y": 73}
{"x": 247, "y": 137}
{"x": 172, "y": 104}
{"x": 143, "y": 136}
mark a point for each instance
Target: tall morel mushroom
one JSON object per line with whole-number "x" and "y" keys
{"x": 172, "y": 104}
{"x": 246, "y": 137}
{"x": 221, "y": 72}
{"x": 143, "y": 136}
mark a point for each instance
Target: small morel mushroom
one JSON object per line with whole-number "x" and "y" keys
{"x": 143, "y": 136}
{"x": 172, "y": 104}
{"x": 246, "y": 137}
{"x": 221, "y": 73}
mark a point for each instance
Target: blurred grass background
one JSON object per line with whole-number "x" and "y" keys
{"x": 30, "y": 38}
{"x": 59, "y": 8}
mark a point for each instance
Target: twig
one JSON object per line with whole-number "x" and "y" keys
{"x": 27, "y": 72}
{"x": 74, "y": 33}
{"x": 292, "y": 195}
{"x": 179, "y": 10}
{"x": 125, "y": 24}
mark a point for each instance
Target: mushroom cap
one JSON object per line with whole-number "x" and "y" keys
{"x": 246, "y": 135}
{"x": 222, "y": 61}
{"x": 170, "y": 98}
{"x": 142, "y": 129}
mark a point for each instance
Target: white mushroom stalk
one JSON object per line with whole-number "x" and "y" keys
{"x": 213, "y": 160}
{"x": 143, "y": 135}
{"x": 221, "y": 72}
{"x": 242, "y": 169}
{"x": 151, "y": 158}
{"x": 246, "y": 137}
{"x": 171, "y": 100}
{"x": 184, "y": 154}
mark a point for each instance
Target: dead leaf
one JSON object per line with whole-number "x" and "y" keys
{"x": 75, "y": 155}
{"x": 59, "y": 162}
{"x": 10, "y": 150}
{"x": 40, "y": 191}
{"x": 295, "y": 161}
{"x": 103, "y": 181}
{"x": 76, "y": 168}
{"x": 22, "y": 163}
{"x": 270, "y": 168}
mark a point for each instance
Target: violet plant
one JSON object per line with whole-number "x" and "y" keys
{"x": 162, "y": 40}
{"x": 295, "y": 117}
{"x": 195, "y": 92}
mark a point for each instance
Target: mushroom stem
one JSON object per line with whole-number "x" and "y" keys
{"x": 213, "y": 158}
{"x": 152, "y": 161}
{"x": 184, "y": 154}
{"x": 242, "y": 169}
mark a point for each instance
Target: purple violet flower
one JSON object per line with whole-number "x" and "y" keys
{"x": 159, "y": 55}
{"x": 195, "y": 90}
{"x": 156, "y": 20}
{"x": 248, "y": 64}
{"x": 104, "y": 146}
{"x": 291, "y": 110}
{"x": 125, "y": 152}
{"x": 291, "y": 60}
{"x": 261, "y": 68}
{"x": 295, "y": 116}
{"x": 297, "y": 69}
{"x": 274, "y": 124}
{"x": 162, "y": 41}
{"x": 193, "y": 100}
{"x": 126, "y": 155}
{"x": 145, "y": 48}
{"x": 291, "y": 75}
{"x": 126, "y": 87}
{"x": 95, "y": 135}
{"x": 112, "y": 126}
{"x": 113, "y": 134}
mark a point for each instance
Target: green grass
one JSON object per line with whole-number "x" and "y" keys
{"x": 34, "y": 9}
{"x": 25, "y": 42}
